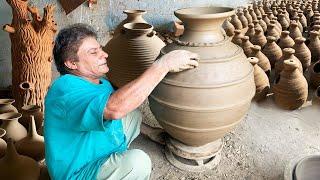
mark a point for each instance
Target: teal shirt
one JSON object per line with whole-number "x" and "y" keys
{"x": 77, "y": 139}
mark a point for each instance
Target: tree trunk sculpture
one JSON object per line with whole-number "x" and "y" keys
{"x": 31, "y": 52}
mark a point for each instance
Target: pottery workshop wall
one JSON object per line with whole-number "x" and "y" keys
{"x": 104, "y": 17}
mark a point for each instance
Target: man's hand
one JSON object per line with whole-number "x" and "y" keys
{"x": 179, "y": 60}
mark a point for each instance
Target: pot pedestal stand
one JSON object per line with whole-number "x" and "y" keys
{"x": 194, "y": 159}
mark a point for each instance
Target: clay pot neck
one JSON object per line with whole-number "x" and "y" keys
{"x": 135, "y": 15}
{"x": 32, "y": 131}
{"x": 203, "y": 24}
{"x": 137, "y": 29}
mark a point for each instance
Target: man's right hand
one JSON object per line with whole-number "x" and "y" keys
{"x": 179, "y": 60}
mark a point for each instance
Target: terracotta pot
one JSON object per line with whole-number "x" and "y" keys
{"x": 277, "y": 25}
{"x": 262, "y": 24}
{"x": 297, "y": 20}
{"x": 246, "y": 46}
{"x": 228, "y": 28}
{"x": 250, "y": 33}
{"x": 272, "y": 31}
{"x": 272, "y": 51}
{"x": 133, "y": 16}
{"x": 288, "y": 53}
{"x": 33, "y": 110}
{"x": 285, "y": 40}
{"x": 3, "y": 144}
{"x": 237, "y": 38}
{"x": 243, "y": 19}
{"x": 315, "y": 74}
{"x": 283, "y": 21}
{"x": 14, "y": 129}
{"x": 261, "y": 80}
{"x": 253, "y": 15}
{"x": 132, "y": 52}
{"x": 18, "y": 167}
{"x": 257, "y": 25}
{"x": 257, "y": 11}
{"x": 261, "y": 10}
{"x": 270, "y": 15}
{"x": 247, "y": 15}
{"x": 6, "y": 106}
{"x": 218, "y": 109}
{"x": 302, "y": 52}
{"x": 263, "y": 60}
{"x": 32, "y": 145}
{"x": 294, "y": 30}
{"x": 309, "y": 15}
{"x": 259, "y": 38}
{"x": 314, "y": 46}
{"x": 236, "y": 22}
{"x": 291, "y": 88}
{"x": 303, "y": 20}
{"x": 266, "y": 19}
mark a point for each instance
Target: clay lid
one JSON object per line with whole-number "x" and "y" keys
{"x": 271, "y": 39}
{"x": 7, "y": 101}
{"x": 253, "y": 60}
{"x": 255, "y": 48}
{"x": 10, "y": 116}
{"x": 300, "y": 40}
{"x": 290, "y": 64}
{"x": 271, "y": 25}
{"x": 269, "y": 12}
{"x": 134, "y": 11}
{"x": 259, "y": 17}
{"x": 240, "y": 13}
{"x": 288, "y": 51}
{"x": 2, "y": 132}
{"x": 255, "y": 21}
{"x": 204, "y": 12}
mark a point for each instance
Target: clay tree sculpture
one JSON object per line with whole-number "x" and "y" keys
{"x": 291, "y": 88}
{"x": 31, "y": 52}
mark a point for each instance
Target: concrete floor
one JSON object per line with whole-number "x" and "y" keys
{"x": 259, "y": 148}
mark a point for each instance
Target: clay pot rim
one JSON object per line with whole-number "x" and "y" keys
{"x": 30, "y": 107}
{"x": 7, "y": 101}
{"x": 10, "y": 116}
{"x": 204, "y": 12}
{"x": 2, "y": 132}
{"x": 138, "y": 27}
{"x": 134, "y": 11}
{"x": 305, "y": 161}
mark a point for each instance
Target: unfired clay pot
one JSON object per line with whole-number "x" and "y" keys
{"x": 29, "y": 110}
{"x": 294, "y": 30}
{"x": 246, "y": 46}
{"x": 263, "y": 62}
{"x": 236, "y": 22}
{"x": 288, "y": 53}
{"x": 228, "y": 28}
{"x": 250, "y": 33}
{"x": 14, "y": 129}
{"x": 315, "y": 74}
{"x": 33, "y": 144}
{"x": 17, "y": 167}
{"x": 285, "y": 40}
{"x": 133, "y": 16}
{"x": 237, "y": 38}
{"x": 6, "y": 106}
{"x": 302, "y": 52}
{"x": 271, "y": 31}
{"x": 243, "y": 19}
{"x": 272, "y": 51}
{"x": 247, "y": 15}
{"x": 259, "y": 38}
{"x": 199, "y": 106}
{"x": 3, "y": 144}
{"x": 314, "y": 46}
{"x": 291, "y": 88}
{"x": 261, "y": 80}
{"x": 132, "y": 52}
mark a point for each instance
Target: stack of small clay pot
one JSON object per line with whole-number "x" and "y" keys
{"x": 19, "y": 148}
{"x": 284, "y": 37}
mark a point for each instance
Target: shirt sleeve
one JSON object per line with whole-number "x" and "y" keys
{"x": 85, "y": 109}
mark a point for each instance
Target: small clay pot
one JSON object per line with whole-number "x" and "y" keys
{"x": 302, "y": 52}
{"x": 14, "y": 129}
{"x": 246, "y": 46}
{"x": 315, "y": 74}
{"x": 303, "y": 20}
{"x": 259, "y": 38}
{"x": 3, "y": 144}
{"x": 257, "y": 25}
{"x": 6, "y": 106}
{"x": 236, "y": 22}
{"x": 261, "y": 80}
{"x": 243, "y": 19}
{"x": 133, "y": 16}
{"x": 308, "y": 168}
{"x": 250, "y": 32}
{"x": 228, "y": 28}
{"x": 237, "y": 38}
{"x": 294, "y": 30}
{"x": 285, "y": 40}
{"x": 272, "y": 51}
{"x": 314, "y": 46}
{"x": 247, "y": 15}
{"x": 283, "y": 21}
{"x": 287, "y": 53}
{"x": 33, "y": 144}
{"x": 33, "y": 110}
{"x": 278, "y": 25}
{"x": 271, "y": 31}
{"x": 262, "y": 24}
{"x": 291, "y": 88}
{"x": 266, "y": 19}
{"x": 263, "y": 60}
{"x": 17, "y": 167}
{"x": 253, "y": 15}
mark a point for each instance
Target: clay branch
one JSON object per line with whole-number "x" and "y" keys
{"x": 9, "y": 28}
{"x": 34, "y": 13}
{"x": 48, "y": 19}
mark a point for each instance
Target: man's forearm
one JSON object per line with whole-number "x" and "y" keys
{"x": 130, "y": 96}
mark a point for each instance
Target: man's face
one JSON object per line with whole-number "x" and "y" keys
{"x": 92, "y": 59}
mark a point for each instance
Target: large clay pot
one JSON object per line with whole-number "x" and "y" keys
{"x": 272, "y": 51}
{"x": 199, "y": 106}
{"x": 33, "y": 110}
{"x": 33, "y": 144}
{"x": 14, "y": 129}
{"x": 3, "y": 144}
{"x": 315, "y": 74}
{"x": 291, "y": 88}
{"x": 302, "y": 52}
{"x": 261, "y": 80}
{"x": 132, "y": 52}
{"x": 17, "y": 167}
{"x": 314, "y": 46}
{"x": 6, "y": 106}
{"x": 133, "y": 16}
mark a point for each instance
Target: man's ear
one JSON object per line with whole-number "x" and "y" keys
{"x": 70, "y": 64}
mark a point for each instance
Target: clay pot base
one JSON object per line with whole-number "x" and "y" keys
{"x": 194, "y": 159}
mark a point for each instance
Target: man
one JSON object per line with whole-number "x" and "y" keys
{"x": 89, "y": 126}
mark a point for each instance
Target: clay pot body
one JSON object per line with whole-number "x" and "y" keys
{"x": 272, "y": 51}
{"x": 207, "y": 83}
{"x": 272, "y": 31}
{"x": 228, "y": 28}
{"x": 285, "y": 40}
{"x": 18, "y": 167}
{"x": 291, "y": 90}
{"x": 14, "y": 129}
{"x": 133, "y": 16}
{"x": 259, "y": 38}
{"x": 237, "y": 38}
{"x": 283, "y": 21}
{"x": 33, "y": 144}
{"x": 132, "y": 52}
{"x": 261, "y": 80}
{"x": 236, "y": 22}
{"x": 294, "y": 30}
{"x": 246, "y": 46}
{"x": 3, "y": 144}
{"x": 315, "y": 74}
{"x": 288, "y": 53}
{"x": 6, "y": 106}
{"x": 250, "y": 33}
{"x": 31, "y": 110}
{"x": 263, "y": 60}
{"x": 302, "y": 52}
{"x": 314, "y": 46}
